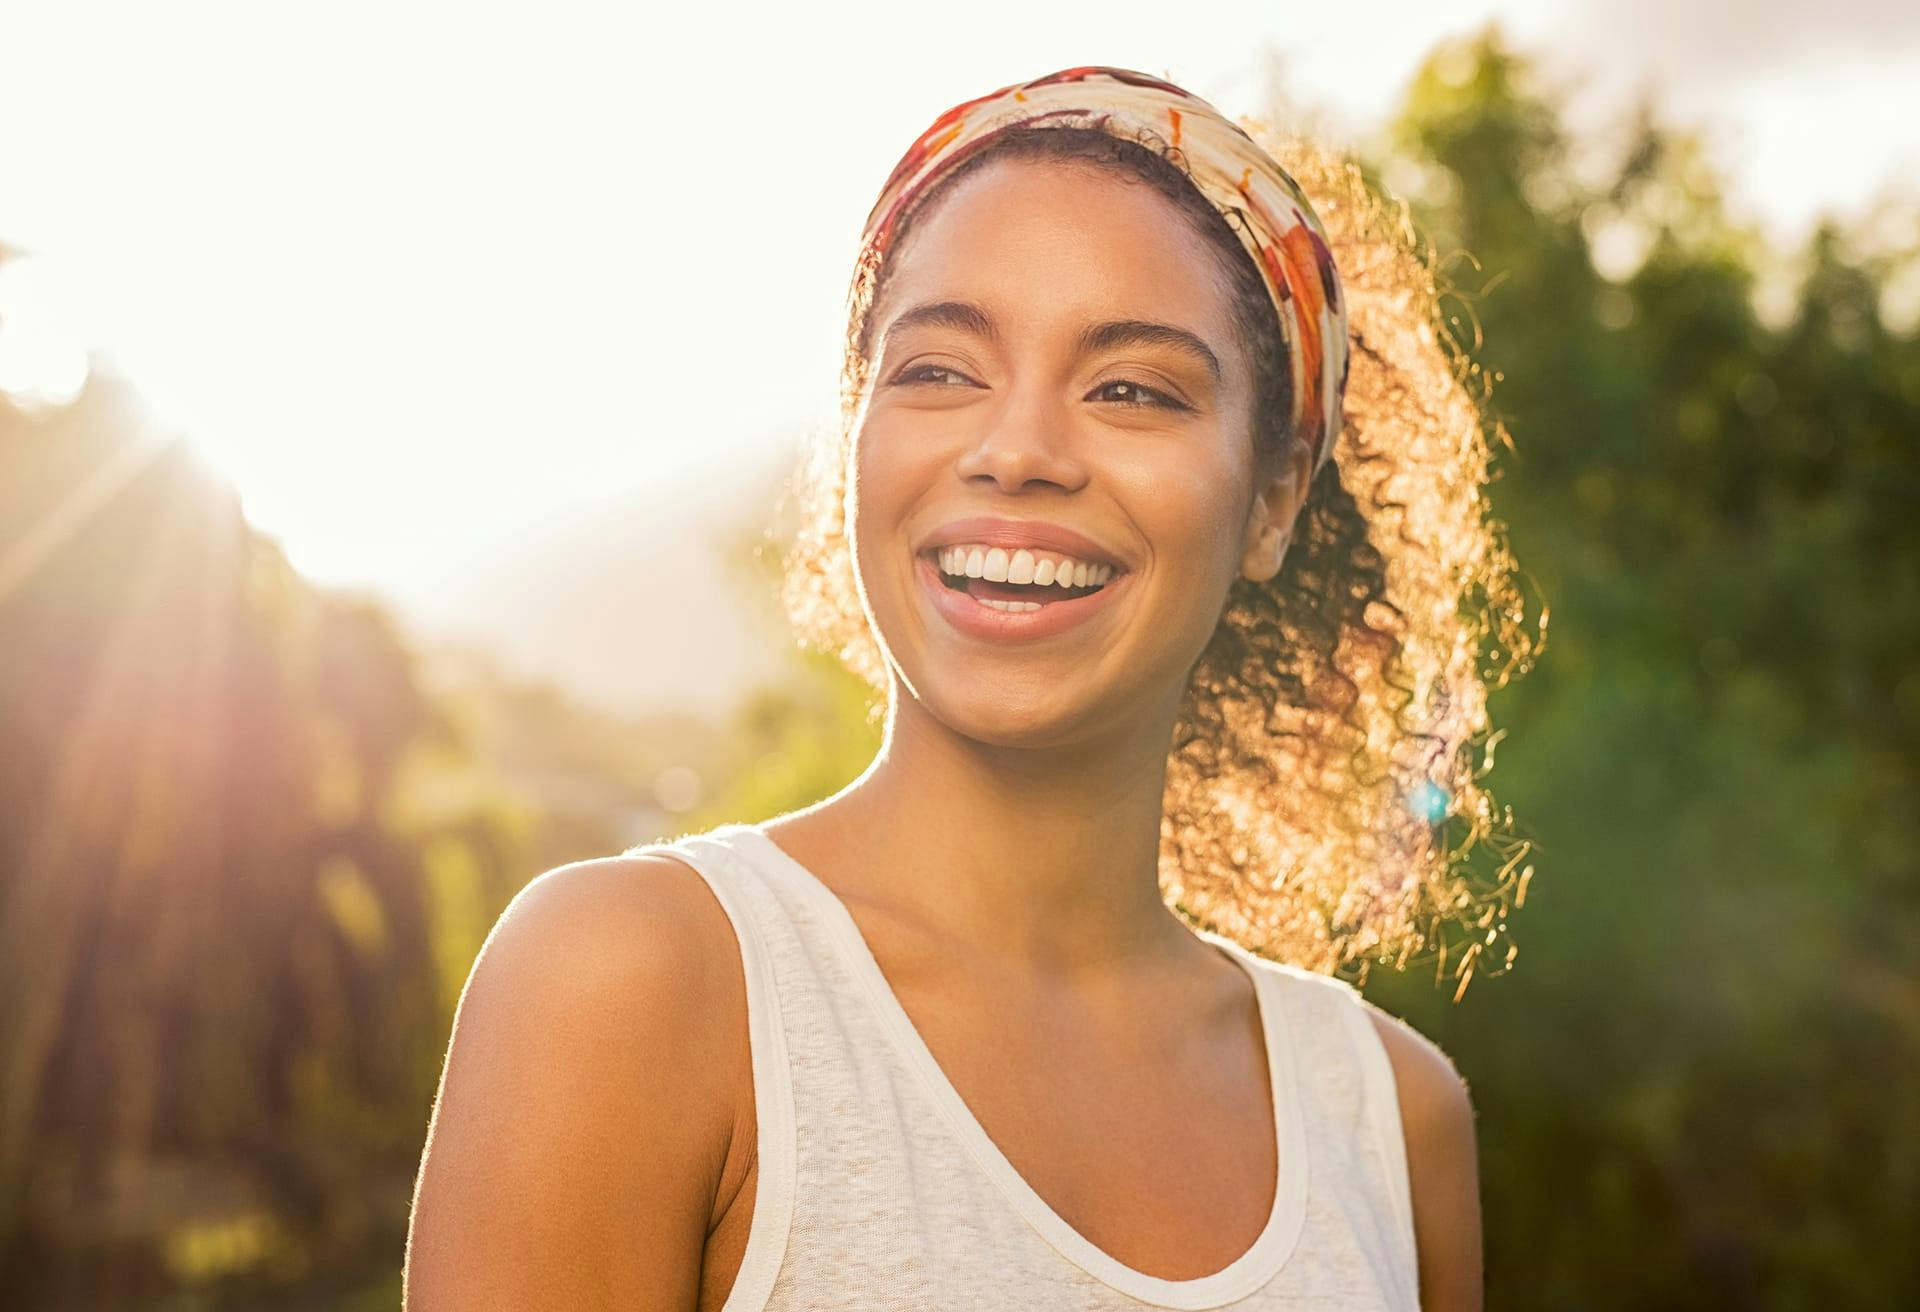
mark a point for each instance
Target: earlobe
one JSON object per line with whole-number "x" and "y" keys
{"x": 1262, "y": 560}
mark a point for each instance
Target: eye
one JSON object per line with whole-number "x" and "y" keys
{"x": 1139, "y": 394}
{"x": 918, "y": 374}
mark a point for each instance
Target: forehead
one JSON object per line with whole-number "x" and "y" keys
{"x": 1044, "y": 240}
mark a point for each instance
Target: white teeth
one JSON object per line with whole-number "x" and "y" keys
{"x": 1008, "y": 605}
{"x": 1020, "y": 566}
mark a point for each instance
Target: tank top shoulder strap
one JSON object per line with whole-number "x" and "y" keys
{"x": 1355, "y": 1088}
{"x": 1383, "y": 1106}
{"x": 760, "y": 929}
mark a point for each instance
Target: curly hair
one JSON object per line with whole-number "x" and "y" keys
{"x": 1322, "y": 792}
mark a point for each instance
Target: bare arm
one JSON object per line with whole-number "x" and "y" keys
{"x": 1436, "y": 1117}
{"x": 582, "y": 1126}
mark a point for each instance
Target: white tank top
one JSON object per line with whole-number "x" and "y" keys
{"x": 878, "y": 1189}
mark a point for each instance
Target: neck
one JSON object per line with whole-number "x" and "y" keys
{"x": 1041, "y": 860}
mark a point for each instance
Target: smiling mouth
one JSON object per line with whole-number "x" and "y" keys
{"x": 987, "y": 575}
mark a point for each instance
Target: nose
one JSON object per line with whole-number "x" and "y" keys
{"x": 1029, "y": 440}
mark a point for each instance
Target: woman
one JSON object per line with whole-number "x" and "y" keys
{"x": 953, "y": 1037}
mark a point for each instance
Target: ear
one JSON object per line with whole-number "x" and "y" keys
{"x": 1280, "y": 492}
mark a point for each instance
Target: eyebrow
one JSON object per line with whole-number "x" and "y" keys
{"x": 966, "y": 317}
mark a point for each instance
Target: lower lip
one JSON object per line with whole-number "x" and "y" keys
{"x": 981, "y": 621}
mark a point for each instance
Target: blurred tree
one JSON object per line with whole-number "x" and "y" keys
{"x": 221, "y": 1005}
{"x": 1700, "y": 1086}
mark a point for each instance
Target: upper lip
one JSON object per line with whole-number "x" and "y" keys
{"x": 1015, "y": 533}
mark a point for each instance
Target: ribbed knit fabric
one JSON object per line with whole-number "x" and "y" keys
{"x": 879, "y": 1190}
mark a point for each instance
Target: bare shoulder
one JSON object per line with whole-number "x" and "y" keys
{"x": 588, "y": 1102}
{"x": 642, "y": 918}
{"x": 1434, "y": 1097}
{"x": 1443, "y": 1172}
{"x": 627, "y": 956}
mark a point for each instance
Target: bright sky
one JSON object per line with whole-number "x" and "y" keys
{"x": 418, "y": 275}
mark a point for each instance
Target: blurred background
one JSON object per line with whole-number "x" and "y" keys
{"x": 392, "y": 399}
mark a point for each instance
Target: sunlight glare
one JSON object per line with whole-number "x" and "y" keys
{"x": 43, "y": 364}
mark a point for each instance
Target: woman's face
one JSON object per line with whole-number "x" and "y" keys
{"x": 1056, "y": 385}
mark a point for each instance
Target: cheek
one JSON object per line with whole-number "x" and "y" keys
{"x": 885, "y": 456}
{"x": 1188, "y": 510}
{"x": 890, "y": 470}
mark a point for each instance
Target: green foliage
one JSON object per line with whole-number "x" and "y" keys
{"x": 1697, "y": 1085}
{"x": 800, "y": 743}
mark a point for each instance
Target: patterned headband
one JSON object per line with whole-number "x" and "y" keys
{"x": 1263, "y": 204}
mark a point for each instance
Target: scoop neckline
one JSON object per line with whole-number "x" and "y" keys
{"x": 1285, "y": 1219}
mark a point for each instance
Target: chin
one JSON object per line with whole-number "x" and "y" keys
{"x": 1022, "y": 716}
